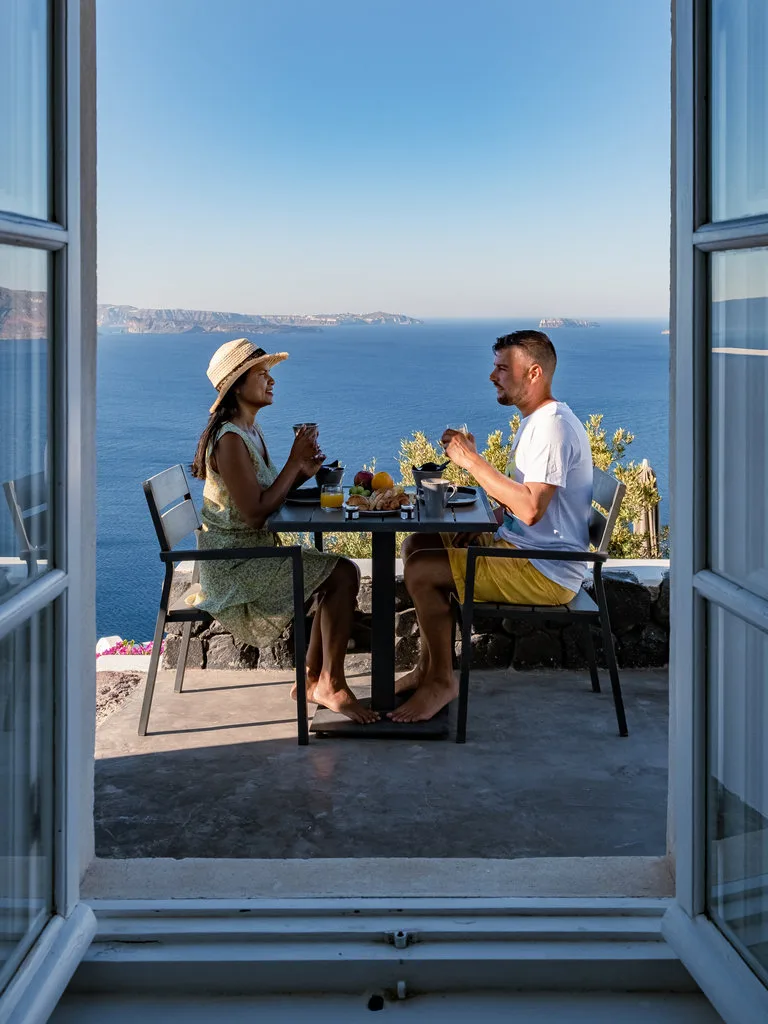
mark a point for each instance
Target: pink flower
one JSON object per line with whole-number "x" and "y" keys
{"x": 130, "y": 647}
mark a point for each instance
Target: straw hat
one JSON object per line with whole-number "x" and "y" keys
{"x": 232, "y": 359}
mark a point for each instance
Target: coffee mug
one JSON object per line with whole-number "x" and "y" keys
{"x": 437, "y": 494}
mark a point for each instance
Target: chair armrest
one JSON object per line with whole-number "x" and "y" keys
{"x": 214, "y": 554}
{"x": 474, "y": 552}
{"x": 548, "y": 554}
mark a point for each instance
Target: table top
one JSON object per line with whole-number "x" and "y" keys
{"x": 473, "y": 518}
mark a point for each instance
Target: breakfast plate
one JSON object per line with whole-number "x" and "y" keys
{"x": 463, "y": 497}
{"x": 373, "y": 512}
{"x": 303, "y": 496}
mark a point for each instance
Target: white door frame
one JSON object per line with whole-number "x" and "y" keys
{"x": 70, "y": 585}
{"x": 734, "y": 990}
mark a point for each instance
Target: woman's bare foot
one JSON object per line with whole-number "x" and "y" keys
{"x": 337, "y": 697}
{"x": 429, "y": 698}
{"x": 312, "y": 679}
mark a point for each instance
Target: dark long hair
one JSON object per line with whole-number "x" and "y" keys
{"x": 226, "y": 411}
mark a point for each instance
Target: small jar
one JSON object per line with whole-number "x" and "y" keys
{"x": 406, "y": 511}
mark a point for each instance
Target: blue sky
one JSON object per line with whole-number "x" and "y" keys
{"x": 432, "y": 157}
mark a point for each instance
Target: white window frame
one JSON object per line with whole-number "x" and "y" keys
{"x": 732, "y": 987}
{"x": 69, "y": 587}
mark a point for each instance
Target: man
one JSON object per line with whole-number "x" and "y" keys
{"x": 545, "y": 498}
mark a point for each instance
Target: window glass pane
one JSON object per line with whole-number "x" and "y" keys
{"x": 739, "y": 418}
{"x": 24, "y": 406}
{"x": 26, "y": 786}
{"x": 739, "y": 108}
{"x": 24, "y": 90}
{"x": 738, "y": 783}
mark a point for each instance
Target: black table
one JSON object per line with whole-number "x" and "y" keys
{"x": 291, "y": 518}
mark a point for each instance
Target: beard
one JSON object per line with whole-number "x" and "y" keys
{"x": 503, "y": 398}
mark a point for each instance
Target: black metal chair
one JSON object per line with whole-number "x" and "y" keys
{"x": 608, "y": 494}
{"x": 169, "y": 491}
{"x": 27, "y": 499}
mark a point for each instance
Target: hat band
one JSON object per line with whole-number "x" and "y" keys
{"x": 257, "y": 353}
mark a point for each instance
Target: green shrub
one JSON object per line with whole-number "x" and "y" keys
{"x": 607, "y": 454}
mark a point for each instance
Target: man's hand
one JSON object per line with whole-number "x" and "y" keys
{"x": 459, "y": 448}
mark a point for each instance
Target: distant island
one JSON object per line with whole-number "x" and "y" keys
{"x": 130, "y": 320}
{"x": 24, "y": 314}
{"x": 550, "y": 322}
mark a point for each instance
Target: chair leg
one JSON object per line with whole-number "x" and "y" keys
{"x": 589, "y": 644}
{"x": 300, "y": 654}
{"x": 154, "y": 661}
{"x": 456, "y": 633}
{"x": 466, "y": 658}
{"x": 610, "y": 655}
{"x": 302, "y": 721}
{"x": 181, "y": 664}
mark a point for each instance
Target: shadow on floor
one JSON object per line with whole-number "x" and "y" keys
{"x": 544, "y": 773}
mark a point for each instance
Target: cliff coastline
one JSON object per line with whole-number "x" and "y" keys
{"x": 24, "y": 314}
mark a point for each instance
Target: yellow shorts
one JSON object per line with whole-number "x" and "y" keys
{"x": 503, "y": 580}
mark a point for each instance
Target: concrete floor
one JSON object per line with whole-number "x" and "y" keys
{"x": 543, "y": 774}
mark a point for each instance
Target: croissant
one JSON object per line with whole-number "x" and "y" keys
{"x": 358, "y": 500}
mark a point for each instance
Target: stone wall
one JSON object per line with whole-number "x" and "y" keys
{"x": 639, "y": 620}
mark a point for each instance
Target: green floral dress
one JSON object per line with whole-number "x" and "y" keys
{"x": 253, "y": 599}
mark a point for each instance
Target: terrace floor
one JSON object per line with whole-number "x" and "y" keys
{"x": 543, "y": 774}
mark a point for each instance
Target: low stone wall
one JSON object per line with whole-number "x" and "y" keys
{"x": 639, "y": 619}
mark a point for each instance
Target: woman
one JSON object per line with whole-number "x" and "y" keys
{"x": 254, "y": 599}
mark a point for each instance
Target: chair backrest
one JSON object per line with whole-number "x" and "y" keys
{"x": 169, "y": 490}
{"x": 608, "y": 493}
{"x": 27, "y": 499}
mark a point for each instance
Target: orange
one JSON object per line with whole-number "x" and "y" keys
{"x": 381, "y": 482}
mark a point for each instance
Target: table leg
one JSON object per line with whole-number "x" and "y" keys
{"x": 318, "y": 540}
{"x": 383, "y": 622}
{"x": 328, "y": 723}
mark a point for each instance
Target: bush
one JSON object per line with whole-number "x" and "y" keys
{"x": 607, "y": 454}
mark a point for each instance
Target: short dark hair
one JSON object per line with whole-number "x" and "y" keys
{"x": 535, "y": 344}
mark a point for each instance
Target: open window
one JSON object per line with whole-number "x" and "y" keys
{"x": 719, "y": 926}
{"x": 46, "y": 458}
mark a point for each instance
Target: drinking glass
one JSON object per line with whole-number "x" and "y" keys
{"x": 460, "y": 428}
{"x": 297, "y": 427}
{"x": 331, "y": 497}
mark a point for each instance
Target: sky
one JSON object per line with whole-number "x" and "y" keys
{"x": 431, "y": 157}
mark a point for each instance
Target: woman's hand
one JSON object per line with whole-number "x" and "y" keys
{"x": 311, "y": 466}
{"x": 460, "y": 448}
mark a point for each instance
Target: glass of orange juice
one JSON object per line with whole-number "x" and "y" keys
{"x": 331, "y": 497}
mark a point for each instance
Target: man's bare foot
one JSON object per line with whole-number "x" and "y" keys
{"x": 338, "y": 697}
{"x": 312, "y": 679}
{"x": 429, "y": 698}
{"x": 410, "y": 680}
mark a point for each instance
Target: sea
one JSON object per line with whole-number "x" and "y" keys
{"x": 367, "y": 387}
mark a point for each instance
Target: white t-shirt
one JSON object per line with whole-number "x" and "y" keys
{"x": 551, "y": 447}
